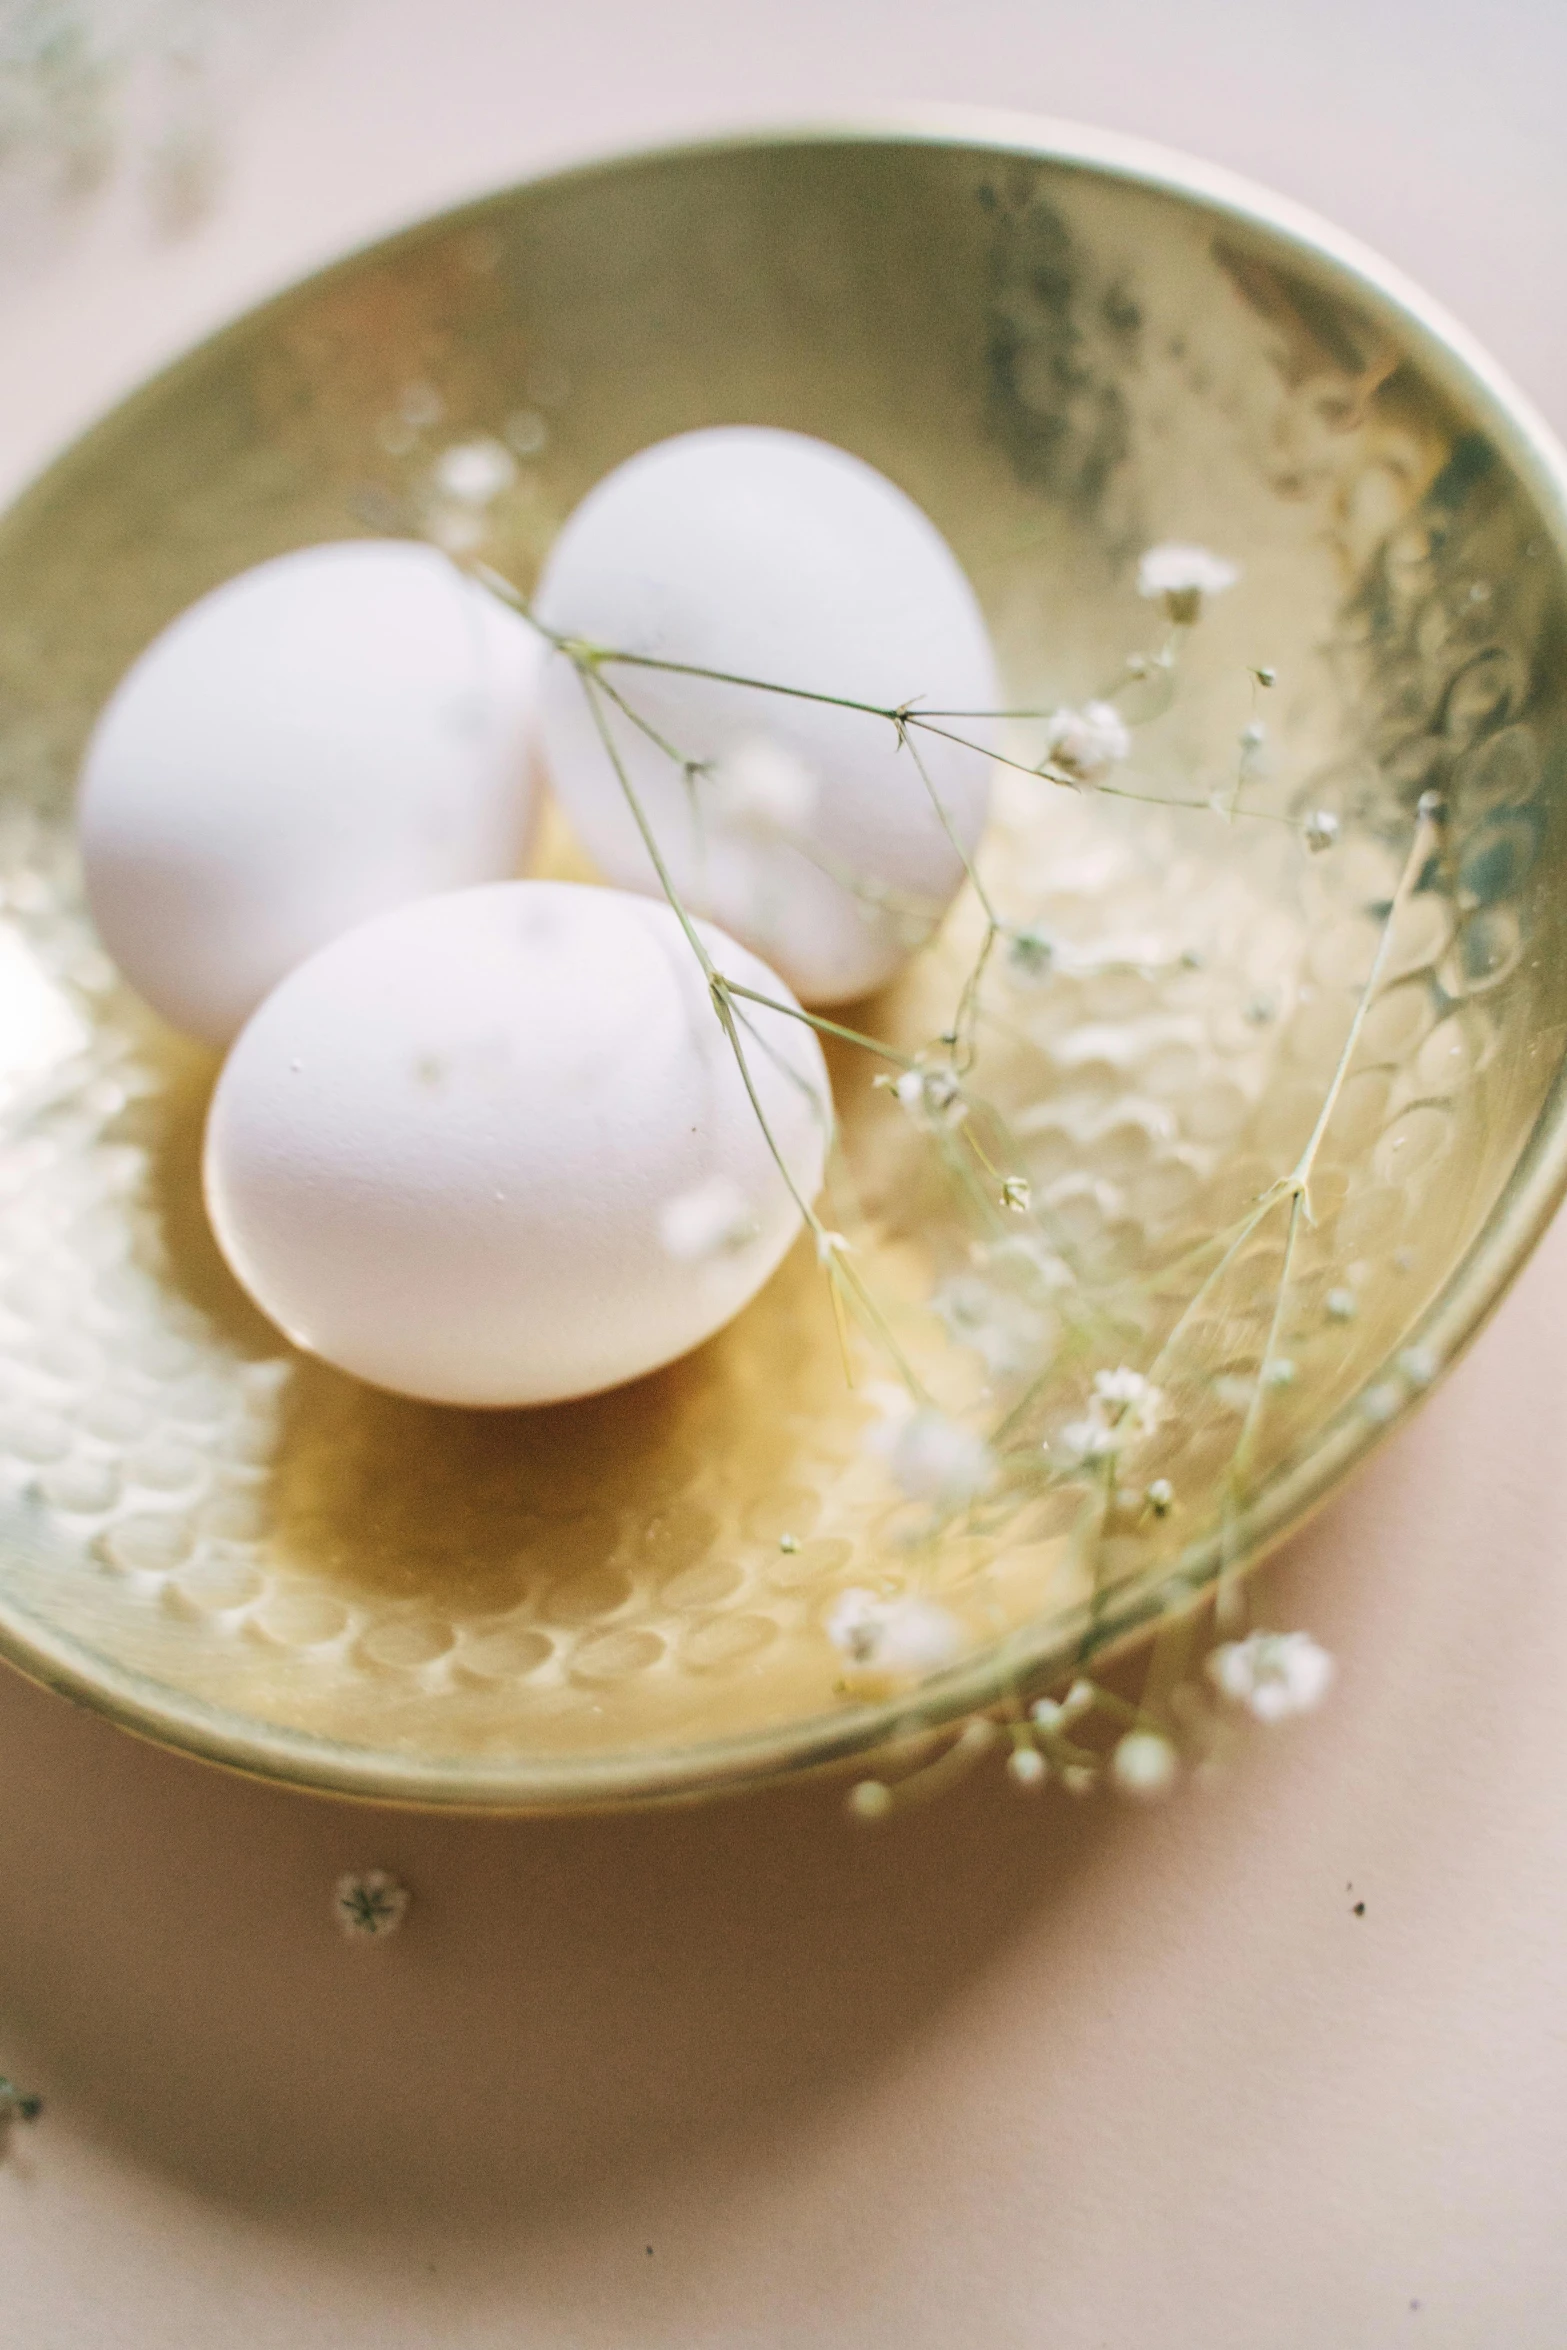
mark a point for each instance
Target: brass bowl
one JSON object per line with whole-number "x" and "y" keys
{"x": 1067, "y": 348}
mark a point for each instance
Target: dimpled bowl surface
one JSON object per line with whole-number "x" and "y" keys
{"x": 1066, "y": 348}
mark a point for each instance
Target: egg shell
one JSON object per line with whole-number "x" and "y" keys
{"x": 495, "y": 1148}
{"x": 803, "y": 828}
{"x": 327, "y": 735}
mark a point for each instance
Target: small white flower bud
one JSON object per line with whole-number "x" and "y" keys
{"x": 1144, "y": 1765}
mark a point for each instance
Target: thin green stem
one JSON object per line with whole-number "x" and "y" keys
{"x": 869, "y": 1044}
{"x": 1300, "y": 1175}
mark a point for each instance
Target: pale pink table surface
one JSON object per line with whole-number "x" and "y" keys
{"x": 1011, "y": 2073}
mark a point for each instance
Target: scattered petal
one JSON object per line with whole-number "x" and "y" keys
{"x": 369, "y": 1904}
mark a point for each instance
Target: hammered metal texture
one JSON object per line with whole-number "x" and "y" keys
{"x": 247, "y": 1553}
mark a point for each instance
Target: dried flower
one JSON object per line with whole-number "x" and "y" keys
{"x": 1321, "y": 830}
{"x": 712, "y": 1220}
{"x": 1342, "y": 1305}
{"x": 1272, "y": 1674}
{"x": 1083, "y": 745}
{"x": 1179, "y": 577}
{"x": 1015, "y": 1192}
{"x": 901, "y": 1636}
{"x": 1144, "y": 1764}
{"x": 369, "y": 1904}
{"x": 1160, "y": 1497}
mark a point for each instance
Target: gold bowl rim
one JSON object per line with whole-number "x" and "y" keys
{"x": 1453, "y": 360}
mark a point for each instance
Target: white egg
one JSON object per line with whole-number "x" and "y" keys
{"x": 495, "y": 1148}
{"x": 327, "y": 735}
{"x": 803, "y": 828}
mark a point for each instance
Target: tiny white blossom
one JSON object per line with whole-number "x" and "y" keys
{"x": 933, "y": 1098}
{"x": 1272, "y": 1674}
{"x": 936, "y": 1459}
{"x": 1051, "y": 1272}
{"x": 902, "y": 1636}
{"x": 1342, "y": 1305}
{"x": 455, "y": 528}
{"x": 1085, "y": 744}
{"x": 369, "y": 1904}
{"x": 1031, "y": 955}
{"x": 1124, "y": 1406}
{"x": 526, "y": 432}
{"x": 1027, "y": 1766}
{"x": 1179, "y": 576}
{"x": 1002, "y": 1328}
{"x": 870, "y": 1799}
{"x": 763, "y": 786}
{"x": 1144, "y": 1765}
{"x": 1419, "y": 1365}
{"x": 715, "y": 1219}
{"x": 1321, "y": 829}
{"x": 1054, "y": 1713}
{"x": 474, "y": 473}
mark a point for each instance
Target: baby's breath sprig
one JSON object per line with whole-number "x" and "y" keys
{"x": 1091, "y": 1735}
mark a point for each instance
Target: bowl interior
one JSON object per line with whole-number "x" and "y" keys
{"x": 238, "y": 1550}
